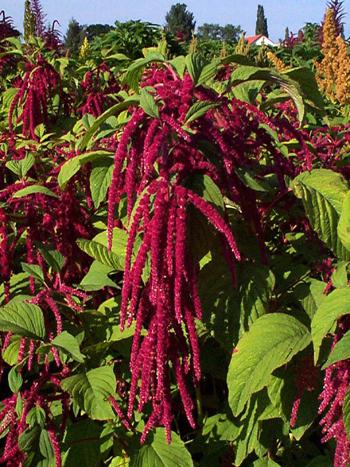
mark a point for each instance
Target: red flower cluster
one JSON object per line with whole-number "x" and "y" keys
{"x": 37, "y": 88}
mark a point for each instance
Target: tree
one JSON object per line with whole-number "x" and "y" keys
{"x": 286, "y": 34}
{"x": 231, "y": 33}
{"x": 94, "y": 30}
{"x": 180, "y": 21}
{"x": 210, "y": 31}
{"x": 261, "y": 22}
{"x": 74, "y": 36}
{"x": 227, "y": 33}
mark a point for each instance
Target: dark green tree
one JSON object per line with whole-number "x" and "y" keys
{"x": 210, "y": 31}
{"x": 94, "y": 30}
{"x": 231, "y": 33}
{"x": 74, "y": 36}
{"x": 261, "y": 22}
{"x": 286, "y": 34}
{"x": 180, "y": 21}
{"x": 227, "y": 33}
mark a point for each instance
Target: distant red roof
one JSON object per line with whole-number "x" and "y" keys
{"x": 252, "y": 39}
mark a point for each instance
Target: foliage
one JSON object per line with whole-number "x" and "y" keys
{"x": 180, "y": 21}
{"x": 229, "y": 32}
{"x": 261, "y": 22}
{"x": 74, "y": 36}
{"x": 174, "y": 250}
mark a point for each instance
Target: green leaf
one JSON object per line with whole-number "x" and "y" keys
{"x": 335, "y": 305}
{"x": 33, "y": 189}
{"x": 148, "y": 103}
{"x": 97, "y": 277}
{"x": 344, "y": 222}
{"x": 53, "y": 258}
{"x": 34, "y": 270}
{"x": 68, "y": 344}
{"x": 100, "y": 253}
{"x": 340, "y": 275}
{"x": 83, "y": 439}
{"x": 72, "y": 166}
{"x": 257, "y": 283}
{"x": 45, "y": 445}
{"x": 205, "y": 187}
{"x": 10, "y": 354}
{"x": 21, "y": 167}
{"x": 114, "y": 110}
{"x": 305, "y": 77}
{"x": 100, "y": 179}
{"x": 341, "y": 351}
{"x": 158, "y": 453}
{"x": 24, "y": 319}
{"x": 195, "y": 64}
{"x": 271, "y": 342}
{"x": 322, "y": 192}
{"x": 346, "y": 413}
{"x": 90, "y": 391}
{"x": 290, "y": 86}
{"x": 28, "y": 438}
{"x": 198, "y": 110}
{"x": 15, "y": 380}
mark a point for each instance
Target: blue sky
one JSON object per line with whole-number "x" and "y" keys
{"x": 280, "y": 13}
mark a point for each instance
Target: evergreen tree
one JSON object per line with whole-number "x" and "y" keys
{"x": 286, "y": 34}
{"x": 261, "y": 22}
{"x": 180, "y": 21}
{"x": 74, "y": 36}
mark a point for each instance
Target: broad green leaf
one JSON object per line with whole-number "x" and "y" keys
{"x": 248, "y": 440}
{"x": 341, "y": 351}
{"x": 53, "y": 258}
{"x": 100, "y": 253}
{"x": 21, "y": 167}
{"x": 34, "y": 270}
{"x": 23, "y": 319}
{"x": 33, "y": 189}
{"x": 119, "y": 242}
{"x": 204, "y": 186}
{"x": 83, "y": 439}
{"x": 90, "y": 390}
{"x": 28, "y": 438}
{"x": 346, "y": 413}
{"x": 271, "y": 342}
{"x": 305, "y": 77}
{"x": 114, "y": 110}
{"x": 179, "y": 65}
{"x": 158, "y": 453}
{"x": 335, "y": 305}
{"x": 195, "y": 64}
{"x": 198, "y": 110}
{"x": 10, "y": 354}
{"x": 322, "y": 192}
{"x": 290, "y": 86}
{"x": 148, "y": 103}
{"x": 340, "y": 275}
{"x": 100, "y": 179}
{"x": 15, "y": 380}
{"x": 45, "y": 445}
{"x": 97, "y": 277}
{"x": 344, "y": 222}
{"x": 72, "y": 166}
{"x": 68, "y": 344}
{"x": 257, "y": 283}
